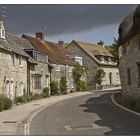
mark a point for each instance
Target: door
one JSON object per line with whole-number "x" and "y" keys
{"x": 12, "y": 90}
{"x": 110, "y": 78}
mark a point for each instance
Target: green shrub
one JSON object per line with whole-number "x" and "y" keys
{"x": 99, "y": 76}
{"x": 81, "y": 86}
{"x": 45, "y": 92}
{"x": 54, "y": 88}
{"x": 63, "y": 85}
{"x": 36, "y": 97}
{"x": 1, "y": 103}
{"x": 22, "y": 99}
{"x": 5, "y": 103}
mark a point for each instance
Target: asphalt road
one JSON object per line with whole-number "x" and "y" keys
{"x": 87, "y": 115}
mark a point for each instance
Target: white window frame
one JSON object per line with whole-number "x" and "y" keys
{"x": 57, "y": 67}
{"x": 13, "y": 59}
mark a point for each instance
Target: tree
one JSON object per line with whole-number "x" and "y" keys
{"x": 78, "y": 71}
{"x": 113, "y": 49}
{"x": 99, "y": 75}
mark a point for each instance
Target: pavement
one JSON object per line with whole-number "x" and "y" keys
{"x": 11, "y": 120}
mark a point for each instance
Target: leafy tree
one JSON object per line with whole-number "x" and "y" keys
{"x": 78, "y": 71}
{"x": 63, "y": 85}
{"x": 99, "y": 75}
{"x": 113, "y": 49}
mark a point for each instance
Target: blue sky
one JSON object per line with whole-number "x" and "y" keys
{"x": 104, "y": 33}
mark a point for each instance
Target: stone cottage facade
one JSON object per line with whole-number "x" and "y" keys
{"x": 23, "y": 69}
{"x": 13, "y": 66}
{"x": 129, "y": 54}
{"x": 61, "y": 64}
{"x": 94, "y": 57}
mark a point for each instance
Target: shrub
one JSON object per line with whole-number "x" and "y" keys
{"x": 99, "y": 75}
{"x": 81, "y": 86}
{"x": 5, "y": 103}
{"x": 1, "y": 104}
{"x": 45, "y": 92}
{"x": 36, "y": 97}
{"x": 22, "y": 99}
{"x": 54, "y": 88}
{"x": 63, "y": 85}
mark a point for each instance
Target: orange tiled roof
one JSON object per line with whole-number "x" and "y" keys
{"x": 56, "y": 53}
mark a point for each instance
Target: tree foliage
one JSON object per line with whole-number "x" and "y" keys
{"x": 99, "y": 75}
{"x": 113, "y": 49}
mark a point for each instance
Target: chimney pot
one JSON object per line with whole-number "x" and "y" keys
{"x": 2, "y": 30}
{"x": 61, "y": 42}
{"x": 40, "y": 35}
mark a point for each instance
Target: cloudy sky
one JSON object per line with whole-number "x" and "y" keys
{"x": 67, "y": 22}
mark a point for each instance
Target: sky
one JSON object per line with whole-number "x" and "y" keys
{"x": 90, "y": 23}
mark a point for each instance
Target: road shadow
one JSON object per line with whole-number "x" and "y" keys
{"x": 121, "y": 122}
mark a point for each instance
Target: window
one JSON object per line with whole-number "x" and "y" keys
{"x": 138, "y": 66}
{"x": 7, "y": 89}
{"x": 37, "y": 81}
{"x": 79, "y": 60}
{"x": 128, "y": 76}
{"x": 57, "y": 67}
{"x": 12, "y": 59}
{"x": 70, "y": 69}
{"x": 20, "y": 61}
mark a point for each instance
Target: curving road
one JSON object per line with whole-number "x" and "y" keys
{"x": 87, "y": 115}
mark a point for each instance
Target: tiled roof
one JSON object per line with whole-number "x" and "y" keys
{"x": 15, "y": 44}
{"x": 94, "y": 50}
{"x": 56, "y": 53}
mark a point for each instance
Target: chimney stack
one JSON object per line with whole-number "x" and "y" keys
{"x": 40, "y": 35}
{"x": 101, "y": 43}
{"x": 2, "y": 30}
{"x": 61, "y": 43}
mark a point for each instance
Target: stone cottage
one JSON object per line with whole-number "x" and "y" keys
{"x": 129, "y": 54}
{"x": 38, "y": 72}
{"x": 61, "y": 64}
{"x": 13, "y": 66}
{"x": 94, "y": 57}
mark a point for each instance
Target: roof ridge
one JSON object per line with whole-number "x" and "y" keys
{"x": 86, "y": 42}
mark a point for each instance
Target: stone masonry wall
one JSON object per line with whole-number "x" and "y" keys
{"x": 129, "y": 60}
{"x": 89, "y": 63}
{"x": 41, "y": 69}
{"x": 15, "y": 75}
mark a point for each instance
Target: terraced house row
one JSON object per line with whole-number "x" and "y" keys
{"x": 28, "y": 64}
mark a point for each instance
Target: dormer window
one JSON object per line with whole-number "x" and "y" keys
{"x": 102, "y": 59}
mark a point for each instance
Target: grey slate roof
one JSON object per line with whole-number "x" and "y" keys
{"x": 130, "y": 26}
{"x": 16, "y": 44}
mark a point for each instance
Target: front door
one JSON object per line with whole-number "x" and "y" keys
{"x": 110, "y": 78}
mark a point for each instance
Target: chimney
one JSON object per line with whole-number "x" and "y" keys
{"x": 101, "y": 43}
{"x": 40, "y": 35}
{"x": 61, "y": 43}
{"x": 2, "y": 30}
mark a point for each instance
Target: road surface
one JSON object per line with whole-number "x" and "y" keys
{"x": 87, "y": 115}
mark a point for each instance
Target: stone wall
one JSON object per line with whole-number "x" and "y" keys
{"x": 13, "y": 79}
{"x": 129, "y": 60}
{"x": 39, "y": 69}
{"x": 65, "y": 70}
{"x": 115, "y": 79}
{"x": 89, "y": 64}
